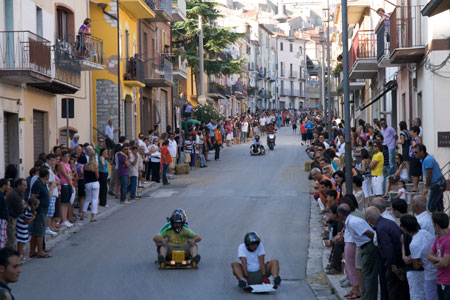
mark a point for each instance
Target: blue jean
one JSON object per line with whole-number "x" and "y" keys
{"x": 123, "y": 188}
{"x": 392, "y": 167}
{"x": 436, "y": 198}
{"x": 164, "y": 175}
{"x": 430, "y": 287}
{"x": 132, "y": 186}
{"x": 192, "y": 163}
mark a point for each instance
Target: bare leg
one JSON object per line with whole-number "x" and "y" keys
{"x": 274, "y": 267}
{"x": 237, "y": 270}
{"x": 64, "y": 208}
{"x": 193, "y": 250}
{"x": 81, "y": 205}
{"x": 40, "y": 244}
{"x": 20, "y": 248}
{"x": 163, "y": 250}
{"x": 70, "y": 213}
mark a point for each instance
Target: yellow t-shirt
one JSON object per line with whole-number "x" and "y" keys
{"x": 378, "y": 171}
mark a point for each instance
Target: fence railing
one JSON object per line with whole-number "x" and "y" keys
{"x": 24, "y": 50}
{"x": 179, "y": 6}
{"x": 81, "y": 47}
{"x": 382, "y": 42}
{"x": 158, "y": 68}
{"x": 406, "y": 27}
{"x": 165, "y": 5}
{"x": 364, "y": 45}
{"x": 67, "y": 69}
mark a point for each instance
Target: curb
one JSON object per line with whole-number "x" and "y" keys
{"x": 315, "y": 273}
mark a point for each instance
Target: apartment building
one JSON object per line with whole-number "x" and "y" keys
{"x": 291, "y": 53}
{"x": 42, "y": 61}
{"x": 398, "y": 66}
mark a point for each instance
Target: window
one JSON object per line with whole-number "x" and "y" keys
{"x": 127, "y": 40}
{"x": 64, "y": 22}
{"x": 291, "y": 47}
{"x": 39, "y": 27}
{"x": 282, "y": 68}
{"x": 291, "y": 71}
{"x": 292, "y": 88}
{"x": 156, "y": 40}
{"x": 145, "y": 40}
{"x": 281, "y": 46}
{"x": 282, "y": 87}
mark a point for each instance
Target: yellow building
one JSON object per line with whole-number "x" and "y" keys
{"x": 107, "y": 102}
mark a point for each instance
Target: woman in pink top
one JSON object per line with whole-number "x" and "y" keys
{"x": 440, "y": 254}
{"x": 65, "y": 175}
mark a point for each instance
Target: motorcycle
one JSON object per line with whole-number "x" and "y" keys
{"x": 255, "y": 149}
{"x": 271, "y": 140}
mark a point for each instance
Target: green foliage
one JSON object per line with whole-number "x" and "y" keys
{"x": 206, "y": 113}
{"x": 215, "y": 40}
{"x": 337, "y": 71}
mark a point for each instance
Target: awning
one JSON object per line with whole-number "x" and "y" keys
{"x": 390, "y": 85}
{"x": 435, "y": 7}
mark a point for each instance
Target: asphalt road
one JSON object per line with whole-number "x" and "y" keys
{"x": 114, "y": 258}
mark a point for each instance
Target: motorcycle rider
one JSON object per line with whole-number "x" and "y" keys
{"x": 271, "y": 129}
{"x": 257, "y": 143}
{"x": 177, "y": 237}
{"x": 251, "y": 268}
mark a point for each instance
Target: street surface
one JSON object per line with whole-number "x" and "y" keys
{"x": 114, "y": 258}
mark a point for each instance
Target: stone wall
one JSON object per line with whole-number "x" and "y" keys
{"x": 107, "y": 107}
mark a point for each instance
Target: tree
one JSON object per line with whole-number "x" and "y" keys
{"x": 206, "y": 113}
{"x": 215, "y": 40}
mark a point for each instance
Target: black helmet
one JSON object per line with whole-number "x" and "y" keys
{"x": 177, "y": 217}
{"x": 181, "y": 211}
{"x": 252, "y": 238}
{"x": 257, "y": 137}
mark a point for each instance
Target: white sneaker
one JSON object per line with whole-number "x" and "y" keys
{"x": 67, "y": 224}
{"x": 48, "y": 231}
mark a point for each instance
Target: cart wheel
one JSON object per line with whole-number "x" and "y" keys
{"x": 194, "y": 265}
{"x": 162, "y": 266}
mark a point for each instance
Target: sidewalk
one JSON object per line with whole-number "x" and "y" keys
{"x": 114, "y": 205}
{"x": 315, "y": 272}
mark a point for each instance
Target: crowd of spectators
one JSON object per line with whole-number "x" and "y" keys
{"x": 390, "y": 234}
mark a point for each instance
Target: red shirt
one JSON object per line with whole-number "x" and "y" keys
{"x": 166, "y": 158}
{"x": 302, "y": 128}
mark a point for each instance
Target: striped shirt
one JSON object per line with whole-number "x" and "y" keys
{"x": 21, "y": 227}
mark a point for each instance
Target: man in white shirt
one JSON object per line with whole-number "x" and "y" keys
{"x": 109, "y": 134}
{"x": 244, "y": 131}
{"x": 423, "y": 282}
{"x": 363, "y": 235}
{"x": 173, "y": 147}
{"x": 419, "y": 207}
{"x": 381, "y": 205}
{"x": 262, "y": 124}
{"x": 251, "y": 268}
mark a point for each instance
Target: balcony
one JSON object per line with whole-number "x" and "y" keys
{"x": 140, "y": 9}
{"x": 163, "y": 11}
{"x": 178, "y": 10}
{"x": 362, "y": 56}
{"x": 383, "y": 53}
{"x": 239, "y": 90}
{"x": 88, "y": 50}
{"x": 134, "y": 72}
{"x": 293, "y": 75}
{"x": 217, "y": 91}
{"x": 407, "y": 43}
{"x": 180, "y": 68}
{"x": 158, "y": 72}
{"x": 24, "y": 57}
{"x": 66, "y": 78}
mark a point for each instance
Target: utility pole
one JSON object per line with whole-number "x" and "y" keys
{"x": 119, "y": 97}
{"x": 200, "y": 54}
{"x": 322, "y": 81}
{"x": 348, "y": 144}
{"x": 329, "y": 70}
